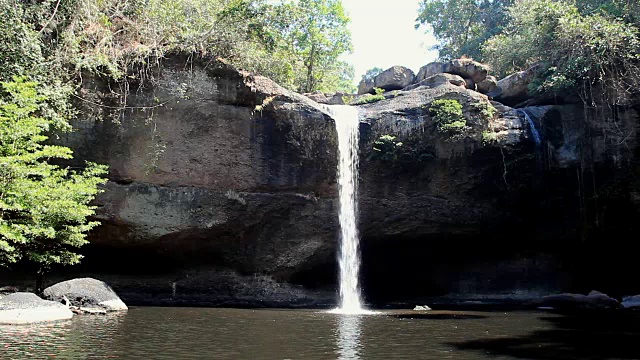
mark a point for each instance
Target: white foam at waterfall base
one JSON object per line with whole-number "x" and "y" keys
{"x": 347, "y": 122}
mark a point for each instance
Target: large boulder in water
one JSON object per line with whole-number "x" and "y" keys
{"x": 394, "y": 78}
{"x": 28, "y": 308}
{"x": 85, "y": 293}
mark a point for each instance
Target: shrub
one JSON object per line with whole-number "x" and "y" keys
{"x": 386, "y": 147}
{"x": 447, "y": 114}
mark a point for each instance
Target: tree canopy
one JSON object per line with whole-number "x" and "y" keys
{"x": 575, "y": 44}
{"x": 296, "y": 43}
{"x": 43, "y": 207}
{"x": 461, "y": 26}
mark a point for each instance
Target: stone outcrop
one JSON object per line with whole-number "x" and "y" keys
{"x": 472, "y": 71}
{"x": 514, "y": 88}
{"x": 85, "y": 293}
{"x": 27, "y": 308}
{"x": 328, "y": 99}
{"x": 394, "y": 78}
{"x": 366, "y": 86}
{"x": 594, "y": 300}
{"x": 437, "y": 80}
{"x": 488, "y": 84}
{"x": 631, "y": 302}
{"x": 223, "y": 192}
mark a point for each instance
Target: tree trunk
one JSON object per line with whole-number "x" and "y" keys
{"x": 40, "y": 278}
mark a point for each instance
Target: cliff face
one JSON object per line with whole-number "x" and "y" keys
{"x": 223, "y": 191}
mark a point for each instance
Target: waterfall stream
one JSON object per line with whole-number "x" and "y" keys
{"x": 532, "y": 126}
{"x": 347, "y": 127}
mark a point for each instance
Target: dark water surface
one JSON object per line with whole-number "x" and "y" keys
{"x": 200, "y": 333}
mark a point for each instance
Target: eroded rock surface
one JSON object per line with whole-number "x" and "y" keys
{"x": 85, "y": 293}
{"x": 27, "y": 308}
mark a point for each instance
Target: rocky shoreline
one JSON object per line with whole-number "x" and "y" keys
{"x": 59, "y": 302}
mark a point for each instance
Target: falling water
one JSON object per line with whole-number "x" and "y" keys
{"x": 532, "y": 126}
{"x": 347, "y": 122}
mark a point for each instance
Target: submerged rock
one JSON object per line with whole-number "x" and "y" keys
{"x": 85, "y": 293}
{"x": 28, "y": 308}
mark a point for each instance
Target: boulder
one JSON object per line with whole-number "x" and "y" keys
{"x": 568, "y": 301}
{"x": 466, "y": 68}
{"x": 366, "y": 86}
{"x": 431, "y": 69}
{"x": 470, "y": 84}
{"x": 337, "y": 98}
{"x": 85, "y": 293}
{"x": 514, "y": 88}
{"x": 487, "y": 85}
{"x": 631, "y": 302}
{"x": 394, "y": 78}
{"x": 28, "y": 308}
{"x": 318, "y": 97}
{"x": 438, "y": 80}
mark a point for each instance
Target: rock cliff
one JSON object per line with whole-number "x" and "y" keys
{"x": 223, "y": 191}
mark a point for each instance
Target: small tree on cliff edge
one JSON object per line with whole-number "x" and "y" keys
{"x": 44, "y": 208}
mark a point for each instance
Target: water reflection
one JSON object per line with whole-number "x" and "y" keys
{"x": 348, "y": 337}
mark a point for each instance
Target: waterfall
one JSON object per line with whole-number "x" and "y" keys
{"x": 347, "y": 123}
{"x": 532, "y": 126}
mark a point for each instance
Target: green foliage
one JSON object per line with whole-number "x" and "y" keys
{"x": 295, "y": 43}
{"x": 486, "y": 110}
{"x": 461, "y": 26}
{"x": 386, "y": 148}
{"x": 372, "y": 73}
{"x": 368, "y": 99}
{"x": 43, "y": 207}
{"x": 447, "y": 114}
{"x": 573, "y": 51}
{"x": 314, "y": 34}
{"x": 489, "y": 137}
{"x": 378, "y": 91}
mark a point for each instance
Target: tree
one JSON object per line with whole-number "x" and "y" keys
{"x": 461, "y": 26}
{"x": 315, "y": 33}
{"x": 573, "y": 51}
{"x": 44, "y": 208}
{"x": 372, "y": 73}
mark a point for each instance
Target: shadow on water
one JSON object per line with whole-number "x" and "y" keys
{"x": 586, "y": 335}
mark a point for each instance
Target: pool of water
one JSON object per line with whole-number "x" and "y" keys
{"x": 195, "y": 333}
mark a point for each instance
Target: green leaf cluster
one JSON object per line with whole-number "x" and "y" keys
{"x": 573, "y": 50}
{"x": 386, "y": 148}
{"x": 448, "y": 116}
{"x": 296, "y": 43}
{"x": 461, "y": 26}
{"x": 43, "y": 207}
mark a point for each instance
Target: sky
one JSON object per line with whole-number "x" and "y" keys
{"x": 383, "y": 35}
